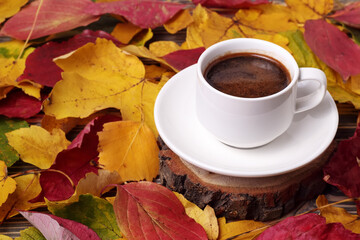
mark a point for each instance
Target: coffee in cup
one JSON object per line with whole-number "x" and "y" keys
{"x": 246, "y": 91}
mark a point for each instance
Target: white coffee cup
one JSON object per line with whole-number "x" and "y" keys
{"x": 252, "y": 122}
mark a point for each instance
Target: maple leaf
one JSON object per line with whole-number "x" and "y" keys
{"x": 143, "y": 13}
{"x": 7, "y": 184}
{"x": 158, "y": 210}
{"x": 350, "y": 15}
{"x": 126, "y": 145}
{"x": 51, "y": 18}
{"x": 333, "y": 47}
{"x": 53, "y": 227}
{"x": 38, "y": 146}
{"x": 9, "y": 8}
{"x": 40, "y": 67}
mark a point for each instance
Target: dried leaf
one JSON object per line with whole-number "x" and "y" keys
{"x": 40, "y": 67}
{"x": 53, "y": 227}
{"x": 157, "y": 209}
{"x": 307, "y": 226}
{"x": 180, "y": 21}
{"x": 304, "y": 10}
{"x": 96, "y": 213}
{"x": 240, "y": 229}
{"x": 38, "y": 146}
{"x": 51, "y": 19}
{"x": 350, "y": 15}
{"x": 17, "y": 104}
{"x": 27, "y": 187}
{"x": 143, "y": 13}
{"x": 9, "y": 8}
{"x": 206, "y": 218}
{"x": 343, "y": 168}
{"x": 336, "y": 214}
{"x": 230, "y": 3}
{"x": 333, "y": 47}
{"x": 126, "y": 145}
{"x": 182, "y": 59}
{"x": 7, "y": 153}
{"x": 7, "y": 184}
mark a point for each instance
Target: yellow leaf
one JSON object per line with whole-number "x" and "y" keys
{"x": 9, "y": 8}
{"x": 7, "y": 184}
{"x": 141, "y": 38}
{"x": 336, "y": 214}
{"x": 161, "y": 48}
{"x": 28, "y": 187}
{"x": 304, "y": 10}
{"x": 12, "y": 48}
{"x": 38, "y": 146}
{"x": 206, "y": 218}
{"x": 130, "y": 149}
{"x": 233, "y": 229}
{"x": 155, "y": 73}
{"x": 4, "y": 237}
{"x": 10, "y": 70}
{"x": 30, "y": 88}
{"x": 180, "y": 21}
{"x": 124, "y": 32}
{"x": 99, "y": 76}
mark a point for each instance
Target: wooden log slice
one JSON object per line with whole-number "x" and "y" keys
{"x": 237, "y": 198}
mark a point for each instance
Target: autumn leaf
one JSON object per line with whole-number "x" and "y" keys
{"x": 333, "y": 47}
{"x": 180, "y": 21}
{"x": 158, "y": 210}
{"x": 38, "y": 146}
{"x": 124, "y": 32}
{"x": 7, "y": 153}
{"x": 307, "y": 226}
{"x": 206, "y": 218}
{"x": 96, "y": 213}
{"x": 243, "y": 229}
{"x": 7, "y": 184}
{"x": 304, "y": 10}
{"x": 144, "y": 13}
{"x": 230, "y": 3}
{"x": 350, "y": 15}
{"x": 40, "y": 67}
{"x": 126, "y": 145}
{"x": 182, "y": 59}
{"x": 51, "y": 18}
{"x": 343, "y": 168}
{"x": 53, "y": 227}
{"x": 99, "y": 76}
{"x": 31, "y": 233}
{"x": 27, "y": 187}
{"x": 336, "y": 214}
{"x": 17, "y": 104}
{"x": 4, "y": 237}
{"x": 9, "y": 8}
{"x": 12, "y": 49}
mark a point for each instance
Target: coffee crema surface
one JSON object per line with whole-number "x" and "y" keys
{"x": 248, "y": 75}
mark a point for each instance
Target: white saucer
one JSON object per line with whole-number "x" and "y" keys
{"x": 308, "y": 136}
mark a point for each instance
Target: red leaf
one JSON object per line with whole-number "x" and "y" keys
{"x": 40, "y": 67}
{"x": 53, "y": 227}
{"x": 142, "y": 13}
{"x": 307, "y": 226}
{"x": 230, "y": 3}
{"x": 350, "y": 15}
{"x": 17, "y": 104}
{"x": 54, "y": 16}
{"x": 146, "y": 210}
{"x": 80, "y": 158}
{"x": 333, "y": 47}
{"x": 343, "y": 169}
{"x": 183, "y": 58}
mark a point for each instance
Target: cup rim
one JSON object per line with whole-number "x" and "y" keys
{"x": 244, "y": 40}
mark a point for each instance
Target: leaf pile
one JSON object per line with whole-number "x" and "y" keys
{"x": 57, "y": 66}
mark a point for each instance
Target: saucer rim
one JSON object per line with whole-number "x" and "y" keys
{"x": 227, "y": 172}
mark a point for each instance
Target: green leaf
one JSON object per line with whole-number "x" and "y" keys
{"x": 94, "y": 212}
{"x": 7, "y": 153}
{"x": 30, "y": 233}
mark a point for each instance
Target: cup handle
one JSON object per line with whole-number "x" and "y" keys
{"x": 312, "y": 99}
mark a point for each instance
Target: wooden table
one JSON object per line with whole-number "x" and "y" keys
{"x": 347, "y": 125}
